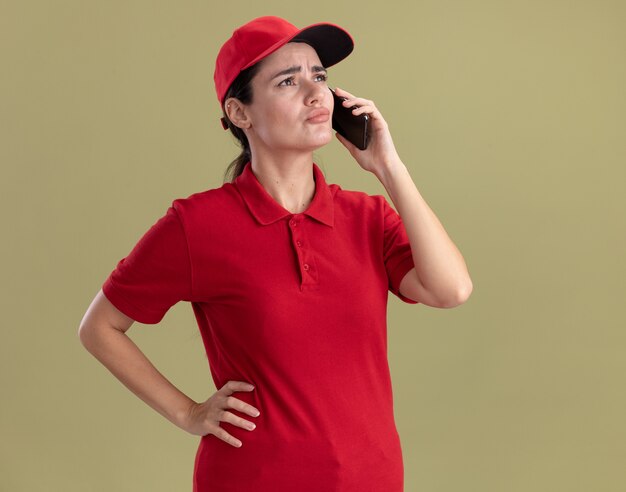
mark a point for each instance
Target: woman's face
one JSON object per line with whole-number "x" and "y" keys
{"x": 289, "y": 88}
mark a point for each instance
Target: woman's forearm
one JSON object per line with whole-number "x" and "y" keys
{"x": 120, "y": 355}
{"x": 438, "y": 262}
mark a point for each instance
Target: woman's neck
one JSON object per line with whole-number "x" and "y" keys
{"x": 289, "y": 180}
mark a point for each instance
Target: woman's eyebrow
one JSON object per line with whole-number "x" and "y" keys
{"x": 296, "y": 69}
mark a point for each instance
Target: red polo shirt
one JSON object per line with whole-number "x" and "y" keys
{"x": 295, "y": 304}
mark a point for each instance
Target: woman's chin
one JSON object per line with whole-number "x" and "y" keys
{"x": 307, "y": 143}
{"x": 322, "y": 139}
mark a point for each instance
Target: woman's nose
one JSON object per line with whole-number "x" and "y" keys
{"x": 316, "y": 92}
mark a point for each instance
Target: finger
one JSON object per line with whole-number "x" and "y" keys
{"x": 226, "y": 437}
{"x": 358, "y": 101}
{"x": 363, "y": 109}
{"x": 242, "y": 406}
{"x": 231, "y": 418}
{"x": 342, "y": 92}
{"x": 231, "y": 386}
{"x": 368, "y": 109}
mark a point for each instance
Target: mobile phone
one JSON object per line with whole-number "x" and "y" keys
{"x": 355, "y": 128}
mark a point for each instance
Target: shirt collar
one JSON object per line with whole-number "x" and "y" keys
{"x": 267, "y": 210}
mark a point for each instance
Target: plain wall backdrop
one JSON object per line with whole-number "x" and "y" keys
{"x": 511, "y": 117}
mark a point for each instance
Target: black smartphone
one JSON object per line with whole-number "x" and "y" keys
{"x": 355, "y": 128}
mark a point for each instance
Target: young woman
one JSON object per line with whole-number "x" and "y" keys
{"x": 288, "y": 277}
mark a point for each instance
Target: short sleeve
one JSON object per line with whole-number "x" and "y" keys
{"x": 397, "y": 251}
{"x": 155, "y": 275}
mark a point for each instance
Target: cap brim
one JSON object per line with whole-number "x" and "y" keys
{"x": 330, "y": 41}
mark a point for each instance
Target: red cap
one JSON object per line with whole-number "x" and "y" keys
{"x": 262, "y": 36}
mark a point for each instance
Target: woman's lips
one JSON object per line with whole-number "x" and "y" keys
{"x": 319, "y": 116}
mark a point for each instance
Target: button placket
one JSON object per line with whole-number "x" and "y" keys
{"x": 306, "y": 261}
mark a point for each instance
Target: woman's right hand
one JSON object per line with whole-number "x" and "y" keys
{"x": 204, "y": 418}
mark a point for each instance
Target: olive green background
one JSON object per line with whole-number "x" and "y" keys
{"x": 511, "y": 117}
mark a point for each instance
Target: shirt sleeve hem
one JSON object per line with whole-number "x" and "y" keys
{"x": 111, "y": 293}
{"x": 396, "y": 276}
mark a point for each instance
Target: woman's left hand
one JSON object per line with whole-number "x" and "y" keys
{"x": 380, "y": 151}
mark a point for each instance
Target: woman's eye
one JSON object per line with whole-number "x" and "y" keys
{"x": 290, "y": 81}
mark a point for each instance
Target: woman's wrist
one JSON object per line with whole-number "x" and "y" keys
{"x": 181, "y": 418}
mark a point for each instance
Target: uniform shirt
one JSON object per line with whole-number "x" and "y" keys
{"x": 295, "y": 304}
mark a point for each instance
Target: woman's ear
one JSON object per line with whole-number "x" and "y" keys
{"x": 236, "y": 112}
